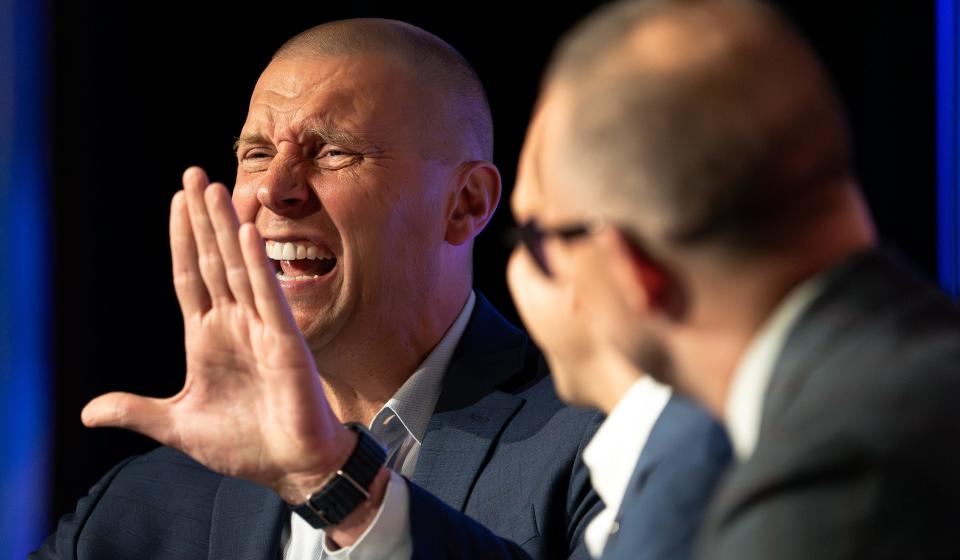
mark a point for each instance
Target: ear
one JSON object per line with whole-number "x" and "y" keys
{"x": 473, "y": 201}
{"x": 644, "y": 283}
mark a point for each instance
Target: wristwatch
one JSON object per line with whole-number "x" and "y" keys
{"x": 350, "y": 487}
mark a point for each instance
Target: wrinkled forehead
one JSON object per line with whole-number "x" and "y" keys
{"x": 364, "y": 93}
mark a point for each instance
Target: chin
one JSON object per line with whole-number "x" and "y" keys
{"x": 319, "y": 326}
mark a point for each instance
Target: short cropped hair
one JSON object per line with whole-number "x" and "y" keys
{"x": 436, "y": 63}
{"x": 728, "y": 138}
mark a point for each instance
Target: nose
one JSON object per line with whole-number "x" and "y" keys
{"x": 284, "y": 189}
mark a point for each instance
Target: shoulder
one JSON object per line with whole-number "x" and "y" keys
{"x": 873, "y": 361}
{"x": 161, "y": 499}
{"x": 891, "y": 376}
{"x": 686, "y": 434}
{"x": 163, "y": 482}
{"x": 682, "y": 461}
{"x": 863, "y": 400}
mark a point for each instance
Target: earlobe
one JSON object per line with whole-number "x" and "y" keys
{"x": 474, "y": 200}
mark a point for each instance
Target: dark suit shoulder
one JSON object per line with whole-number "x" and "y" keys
{"x": 879, "y": 357}
{"x": 157, "y": 505}
{"x": 858, "y": 429}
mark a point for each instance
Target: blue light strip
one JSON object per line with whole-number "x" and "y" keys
{"x": 948, "y": 128}
{"x": 25, "y": 411}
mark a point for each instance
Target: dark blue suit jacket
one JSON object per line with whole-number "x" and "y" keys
{"x": 672, "y": 484}
{"x": 661, "y": 512}
{"x": 500, "y": 448}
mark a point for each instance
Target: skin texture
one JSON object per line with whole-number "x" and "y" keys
{"x": 273, "y": 371}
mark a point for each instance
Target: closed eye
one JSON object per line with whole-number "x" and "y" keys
{"x": 254, "y": 159}
{"x": 334, "y": 158}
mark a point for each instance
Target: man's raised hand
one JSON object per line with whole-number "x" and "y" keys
{"x": 252, "y": 405}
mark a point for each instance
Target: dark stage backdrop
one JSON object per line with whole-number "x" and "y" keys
{"x": 142, "y": 90}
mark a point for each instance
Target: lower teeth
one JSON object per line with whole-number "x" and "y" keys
{"x": 282, "y": 276}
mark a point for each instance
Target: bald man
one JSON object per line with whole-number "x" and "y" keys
{"x": 691, "y": 212}
{"x": 335, "y": 287}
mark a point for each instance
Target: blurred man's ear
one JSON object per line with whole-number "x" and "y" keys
{"x": 473, "y": 201}
{"x": 645, "y": 285}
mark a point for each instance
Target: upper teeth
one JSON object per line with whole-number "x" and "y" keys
{"x": 280, "y": 251}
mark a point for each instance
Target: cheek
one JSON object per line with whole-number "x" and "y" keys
{"x": 389, "y": 221}
{"x": 373, "y": 236}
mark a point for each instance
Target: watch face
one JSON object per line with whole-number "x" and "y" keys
{"x": 349, "y": 487}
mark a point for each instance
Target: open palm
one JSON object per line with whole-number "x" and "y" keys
{"x": 252, "y": 405}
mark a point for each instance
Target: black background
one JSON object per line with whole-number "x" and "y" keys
{"x": 141, "y": 91}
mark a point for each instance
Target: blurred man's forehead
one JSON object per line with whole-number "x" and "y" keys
{"x": 540, "y": 170}
{"x": 527, "y": 189}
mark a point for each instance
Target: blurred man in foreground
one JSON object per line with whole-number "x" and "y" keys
{"x": 690, "y": 211}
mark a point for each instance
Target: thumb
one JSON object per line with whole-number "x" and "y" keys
{"x": 145, "y": 415}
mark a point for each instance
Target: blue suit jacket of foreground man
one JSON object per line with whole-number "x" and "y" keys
{"x": 500, "y": 447}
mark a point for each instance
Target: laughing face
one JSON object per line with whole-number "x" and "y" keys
{"x": 336, "y": 171}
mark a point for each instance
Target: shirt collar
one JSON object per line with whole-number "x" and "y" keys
{"x": 414, "y": 401}
{"x": 752, "y": 376}
{"x": 612, "y": 453}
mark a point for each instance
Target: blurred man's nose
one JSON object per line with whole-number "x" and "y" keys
{"x": 284, "y": 188}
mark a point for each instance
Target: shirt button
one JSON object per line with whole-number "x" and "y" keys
{"x": 615, "y": 528}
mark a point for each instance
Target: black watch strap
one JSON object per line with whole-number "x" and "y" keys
{"x": 349, "y": 487}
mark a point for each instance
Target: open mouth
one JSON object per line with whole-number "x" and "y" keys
{"x": 299, "y": 260}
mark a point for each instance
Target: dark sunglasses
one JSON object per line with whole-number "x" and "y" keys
{"x": 531, "y": 236}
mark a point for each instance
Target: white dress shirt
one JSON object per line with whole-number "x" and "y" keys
{"x": 400, "y": 425}
{"x": 612, "y": 453}
{"x": 751, "y": 379}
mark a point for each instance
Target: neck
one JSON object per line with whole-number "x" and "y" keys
{"x": 365, "y": 367}
{"x": 734, "y": 299}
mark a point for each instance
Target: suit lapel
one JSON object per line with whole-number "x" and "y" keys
{"x": 474, "y": 405}
{"x": 669, "y": 429}
{"x": 457, "y": 444}
{"x": 247, "y": 522}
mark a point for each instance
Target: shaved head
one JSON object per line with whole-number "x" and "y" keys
{"x": 461, "y": 110}
{"x": 698, "y": 123}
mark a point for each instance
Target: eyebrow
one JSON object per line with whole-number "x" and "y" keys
{"x": 250, "y": 139}
{"x": 319, "y": 134}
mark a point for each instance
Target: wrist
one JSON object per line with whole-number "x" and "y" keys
{"x": 332, "y": 498}
{"x": 294, "y": 488}
{"x": 348, "y": 532}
